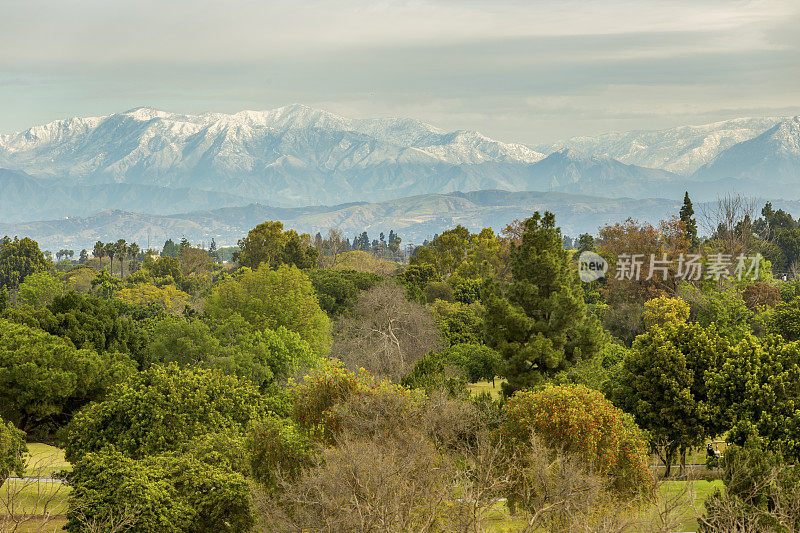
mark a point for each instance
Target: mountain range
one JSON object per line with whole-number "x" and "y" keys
{"x": 295, "y": 156}
{"x": 169, "y": 166}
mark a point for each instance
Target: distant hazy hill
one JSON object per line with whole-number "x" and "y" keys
{"x": 415, "y": 218}
{"x": 24, "y": 198}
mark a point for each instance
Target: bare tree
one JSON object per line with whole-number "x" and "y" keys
{"x": 33, "y": 502}
{"x": 387, "y": 333}
{"x": 730, "y": 223}
{"x": 334, "y": 244}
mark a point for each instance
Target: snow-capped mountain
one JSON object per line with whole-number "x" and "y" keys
{"x": 681, "y": 150}
{"x": 157, "y": 162}
{"x": 287, "y": 156}
{"x": 772, "y": 157}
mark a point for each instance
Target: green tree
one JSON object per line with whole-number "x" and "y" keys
{"x": 338, "y": 290}
{"x": 662, "y": 383}
{"x": 756, "y": 392}
{"x": 12, "y": 451}
{"x": 99, "y": 250}
{"x": 39, "y": 289}
{"x": 87, "y": 322}
{"x": 263, "y": 244}
{"x": 687, "y": 217}
{"x": 166, "y": 493}
{"x": 18, "y": 259}
{"x": 458, "y": 322}
{"x": 540, "y": 325}
{"x": 161, "y": 409}
{"x": 44, "y": 379}
{"x": 268, "y": 299}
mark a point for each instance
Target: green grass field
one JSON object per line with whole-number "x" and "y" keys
{"x": 45, "y": 460}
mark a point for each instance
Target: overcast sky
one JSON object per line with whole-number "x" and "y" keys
{"x": 528, "y": 71}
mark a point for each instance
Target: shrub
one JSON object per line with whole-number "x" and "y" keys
{"x": 160, "y": 409}
{"x": 277, "y": 449}
{"x": 12, "y": 451}
{"x": 582, "y": 422}
{"x": 160, "y": 494}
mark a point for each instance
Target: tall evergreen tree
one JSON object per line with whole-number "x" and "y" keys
{"x": 687, "y": 217}
{"x": 540, "y": 325}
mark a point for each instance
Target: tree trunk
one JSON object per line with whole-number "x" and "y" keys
{"x": 682, "y": 472}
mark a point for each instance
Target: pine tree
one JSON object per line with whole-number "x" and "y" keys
{"x": 540, "y": 325}
{"x": 212, "y": 250}
{"x": 687, "y": 217}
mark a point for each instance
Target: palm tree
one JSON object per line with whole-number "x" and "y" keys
{"x": 110, "y": 250}
{"x": 122, "y": 251}
{"x": 98, "y": 251}
{"x": 134, "y": 250}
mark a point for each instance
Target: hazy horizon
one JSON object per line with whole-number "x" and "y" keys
{"x": 530, "y": 72}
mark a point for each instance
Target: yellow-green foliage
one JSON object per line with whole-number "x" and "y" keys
{"x": 269, "y": 299}
{"x": 361, "y": 261}
{"x": 167, "y": 297}
{"x": 663, "y": 310}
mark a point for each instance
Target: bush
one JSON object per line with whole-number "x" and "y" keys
{"x": 583, "y": 423}
{"x": 762, "y": 493}
{"x": 158, "y": 494}
{"x": 12, "y": 451}
{"x": 277, "y": 450}
{"x": 160, "y": 409}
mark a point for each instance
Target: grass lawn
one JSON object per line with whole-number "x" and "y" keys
{"x": 486, "y": 386}
{"x": 29, "y": 500}
{"x": 45, "y": 460}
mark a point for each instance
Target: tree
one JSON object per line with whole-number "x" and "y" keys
{"x": 12, "y": 451}
{"x": 133, "y": 252}
{"x": 110, "y": 249}
{"x": 387, "y": 334}
{"x": 84, "y": 256}
{"x": 87, "y": 322}
{"x": 170, "y": 249}
{"x": 160, "y": 410}
{"x": 662, "y": 380}
{"x": 446, "y": 252}
{"x": 18, "y": 259}
{"x": 539, "y": 325}
{"x": 39, "y": 289}
{"x": 582, "y": 423}
{"x": 121, "y": 250}
{"x": 263, "y": 244}
{"x": 44, "y": 379}
{"x": 268, "y": 299}
{"x": 755, "y": 392}
{"x": 99, "y": 251}
{"x": 212, "y": 250}
{"x": 163, "y": 493}
{"x": 687, "y": 217}
{"x": 459, "y": 323}
{"x": 338, "y": 290}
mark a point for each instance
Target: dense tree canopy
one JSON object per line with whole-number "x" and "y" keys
{"x": 160, "y": 410}
{"x": 44, "y": 379}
